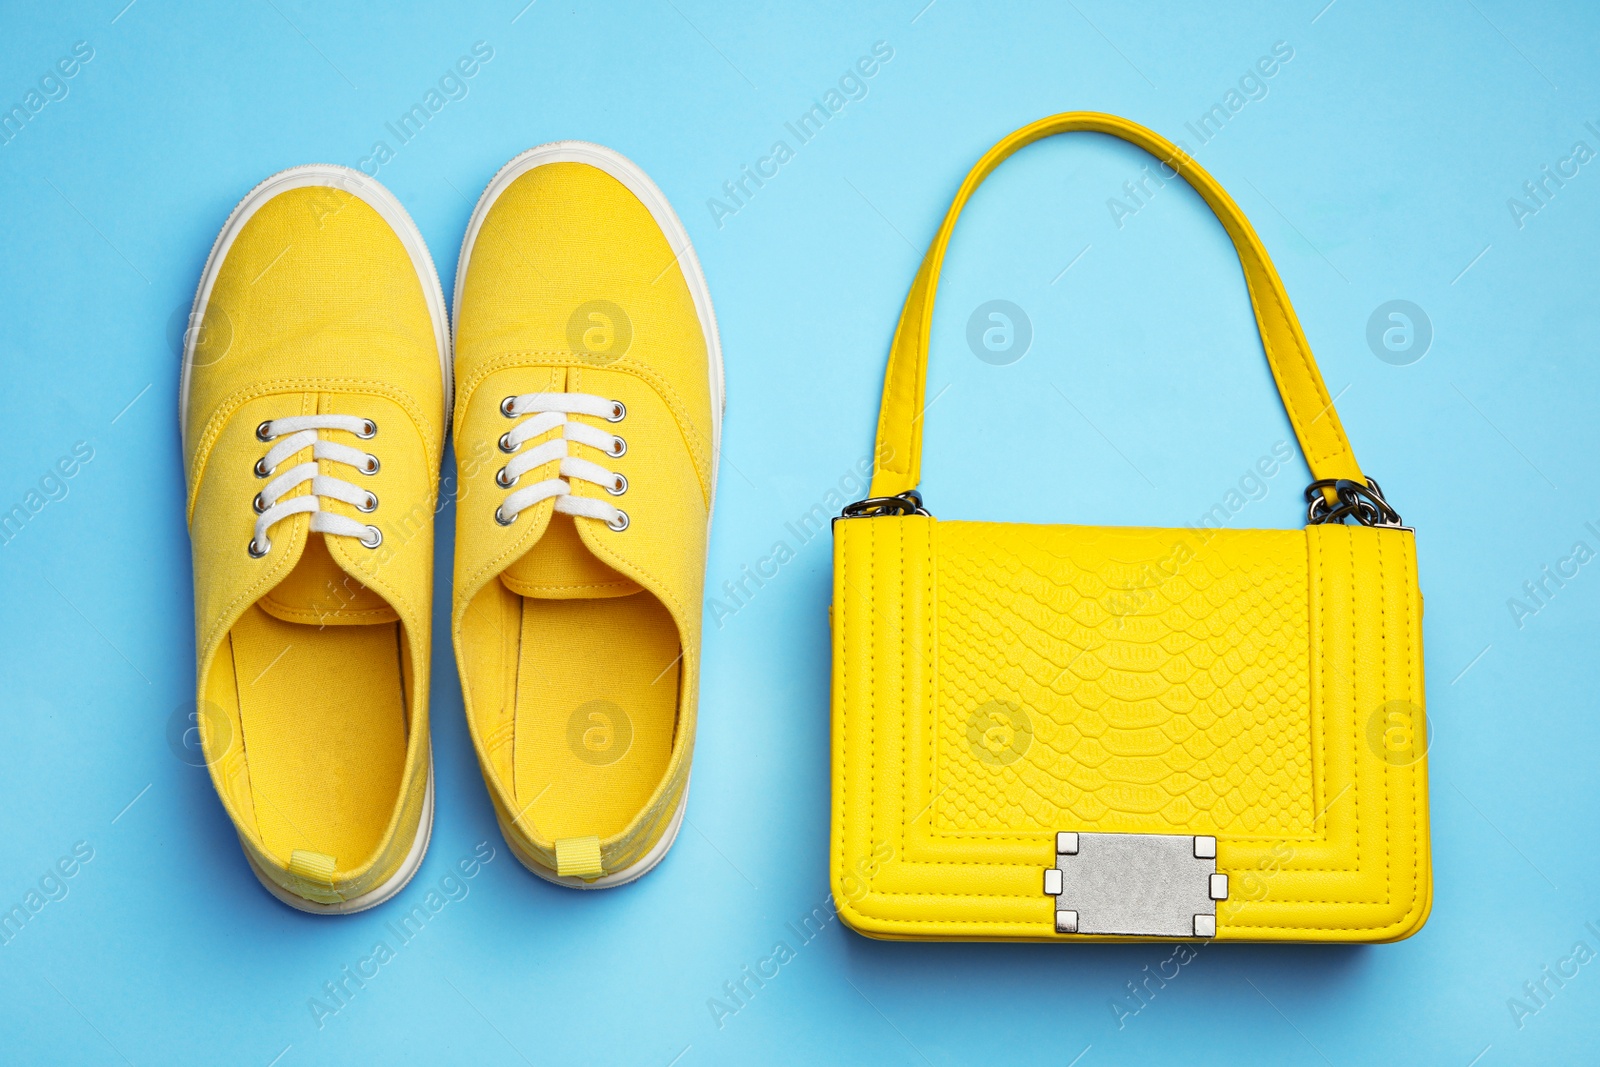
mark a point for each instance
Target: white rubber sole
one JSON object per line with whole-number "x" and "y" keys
{"x": 373, "y": 897}
{"x": 633, "y": 872}
{"x": 636, "y": 181}
{"x": 332, "y": 176}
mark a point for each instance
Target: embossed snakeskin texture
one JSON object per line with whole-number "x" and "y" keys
{"x": 1118, "y": 679}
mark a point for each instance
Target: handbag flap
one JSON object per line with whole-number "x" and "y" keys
{"x": 996, "y": 685}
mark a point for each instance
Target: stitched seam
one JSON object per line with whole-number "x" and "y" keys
{"x": 843, "y": 758}
{"x": 933, "y": 697}
{"x": 1383, "y": 691}
{"x": 966, "y": 924}
{"x": 904, "y": 711}
{"x": 874, "y": 628}
{"x": 312, "y": 615}
{"x": 620, "y": 584}
{"x": 1411, "y": 582}
{"x": 1355, "y": 713}
{"x": 872, "y": 688}
{"x": 905, "y": 578}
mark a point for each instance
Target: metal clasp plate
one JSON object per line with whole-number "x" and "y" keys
{"x": 1137, "y": 885}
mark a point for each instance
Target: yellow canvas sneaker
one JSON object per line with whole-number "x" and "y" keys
{"x": 312, "y": 407}
{"x": 588, "y": 409}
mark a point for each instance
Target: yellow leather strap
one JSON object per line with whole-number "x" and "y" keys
{"x": 1305, "y": 398}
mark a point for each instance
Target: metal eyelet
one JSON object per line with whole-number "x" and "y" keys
{"x": 264, "y": 549}
{"x": 374, "y": 538}
{"x": 502, "y": 520}
{"x": 508, "y": 407}
{"x": 368, "y": 431}
{"x": 372, "y": 466}
{"x": 619, "y": 487}
{"x": 619, "y": 523}
{"x": 619, "y": 411}
{"x": 264, "y": 431}
{"x": 371, "y": 506}
{"x": 505, "y": 443}
{"x": 619, "y": 447}
{"x": 259, "y": 504}
{"x": 503, "y": 480}
{"x": 261, "y": 468}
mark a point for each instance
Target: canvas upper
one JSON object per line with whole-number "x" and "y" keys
{"x": 579, "y": 642}
{"x": 313, "y": 659}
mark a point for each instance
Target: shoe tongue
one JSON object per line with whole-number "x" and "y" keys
{"x": 320, "y": 592}
{"x": 561, "y": 567}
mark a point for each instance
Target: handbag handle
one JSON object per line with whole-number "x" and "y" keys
{"x": 1305, "y": 398}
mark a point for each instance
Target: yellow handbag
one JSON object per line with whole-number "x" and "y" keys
{"x": 1097, "y": 733}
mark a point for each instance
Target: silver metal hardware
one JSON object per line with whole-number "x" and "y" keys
{"x": 370, "y": 506}
{"x": 373, "y": 539}
{"x": 505, "y": 443}
{"x": 907, "y": 503}
{"x": 618, "y": 487}
{"x": 619, "y": 447}
{"x": 619, "y": 411}
{"x": 502, "y": 520}
{"x": 1137, "y": 885}
{"x": 258, "y": 504}
{"x": 264, "y": 549}
{"x": 502, "y": 479}
{"x": 261, "y": 468}
{"x": 508, "y": 407}
{"x": 369, "y": 430}
{"x": 1363, "y": 503}
{"x": 264, "y": 431}
{"x": 371, "y": 466}
{"x": 619, "y": 523}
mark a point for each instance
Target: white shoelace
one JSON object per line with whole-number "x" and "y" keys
{"x": 550, "y": 411}
{"x": 297, "y": 433}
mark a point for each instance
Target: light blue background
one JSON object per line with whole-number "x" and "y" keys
{"x": 1377, "y": 167}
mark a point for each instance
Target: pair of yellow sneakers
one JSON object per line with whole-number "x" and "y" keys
{"x": 583, "y": 384}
